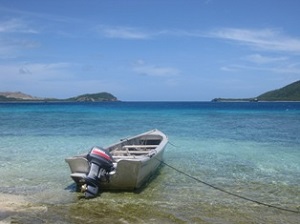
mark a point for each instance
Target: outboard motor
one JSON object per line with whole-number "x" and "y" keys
{"x": 100, "y": 165}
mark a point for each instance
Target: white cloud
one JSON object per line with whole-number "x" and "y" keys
{"x": 259, "y": 59}
{"x": 39, "y": 79}
{"x": 266, "y": 39}
{"x": 11, "y": 44}
{"x": 60, "y": 80}
{"x": 123, "y": 32}
{"x": 34, "y": 72}
{"x": 293, "y": 69}
{"x": 263, "y": 39}
{"x": 15, "y": 26}
{"x": 12, "y": 48}
{"x": 230, "y": 68}
{"x": 40, "y": 15}
{"x": 153, "y": 70}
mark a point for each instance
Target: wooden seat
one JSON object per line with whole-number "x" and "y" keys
{"x": 139, "y": 146}
{"x": 133, "y": 152}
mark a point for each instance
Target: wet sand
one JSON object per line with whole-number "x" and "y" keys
{"x": 18, "y": 209}
{"x": 11, "y": 206}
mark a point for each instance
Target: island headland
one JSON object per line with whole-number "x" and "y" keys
{"x": 22, "y": 97}
{"x": 290, "y": 92}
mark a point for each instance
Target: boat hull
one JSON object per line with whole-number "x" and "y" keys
{"x": 136, "y": 159}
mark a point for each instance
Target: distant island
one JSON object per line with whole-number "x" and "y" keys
{"x": 290, "y": 92}
{"x": 22, "y": 97}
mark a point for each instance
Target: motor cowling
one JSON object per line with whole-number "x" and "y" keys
{"x": 100, "y": 165}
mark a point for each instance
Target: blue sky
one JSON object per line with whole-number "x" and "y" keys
{"x": 149, "y": 50}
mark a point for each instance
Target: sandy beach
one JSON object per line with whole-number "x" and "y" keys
{"x": 13, "y": 205}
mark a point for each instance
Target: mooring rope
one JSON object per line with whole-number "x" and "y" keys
{"x": 225, "y": 191}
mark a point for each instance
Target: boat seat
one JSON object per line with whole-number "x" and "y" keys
{"x": 139, "y": 146}
{"x": 127, "y": 157}
{"x": 127, "y": 152}
{"x": 133, "y": 152}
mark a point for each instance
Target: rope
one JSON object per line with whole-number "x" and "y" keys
{"x": 227, "y": 192}
{"x": 173, "y": 144}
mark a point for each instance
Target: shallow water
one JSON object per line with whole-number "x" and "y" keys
{"x": 250, "y": 149}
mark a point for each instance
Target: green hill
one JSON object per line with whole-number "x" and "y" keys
{"x": 21, "y": 97}
{"x": 290, "y": 92}
{"x": 95, "y": 97}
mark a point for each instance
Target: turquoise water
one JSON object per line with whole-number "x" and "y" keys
{"x": 251, "y": 149}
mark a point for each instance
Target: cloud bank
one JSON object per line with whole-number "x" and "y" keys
{"x": 263, "y": 39}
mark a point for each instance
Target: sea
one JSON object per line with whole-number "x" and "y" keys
{"x": 226, "y": 162}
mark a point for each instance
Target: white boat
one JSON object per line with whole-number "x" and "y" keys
{"x": 125, "y": 165}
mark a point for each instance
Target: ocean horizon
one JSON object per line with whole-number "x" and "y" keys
{"x": 246, "y": 148}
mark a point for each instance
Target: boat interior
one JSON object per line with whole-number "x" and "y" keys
{"x": 134, "y": 148}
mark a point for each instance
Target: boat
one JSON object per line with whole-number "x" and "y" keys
{"x": 125, "y": 165}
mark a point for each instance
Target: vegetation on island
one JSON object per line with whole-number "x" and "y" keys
{"x": 22, "y": 97}
{"x": 96, "y": 97}
{"x": 290, "y": 92}
{"x": 235, "y": 100}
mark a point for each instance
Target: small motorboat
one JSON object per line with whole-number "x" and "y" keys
{"x": 125, "y": 165}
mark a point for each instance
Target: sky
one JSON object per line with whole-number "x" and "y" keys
{"x": 149, "y": 50}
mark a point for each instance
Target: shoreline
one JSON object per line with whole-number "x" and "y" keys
{"x": 57, "y": 101}
{"x": 125, "y": 209}
{"x": 13, "y": 205}
{"x": 118, "y": 101}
